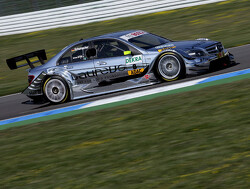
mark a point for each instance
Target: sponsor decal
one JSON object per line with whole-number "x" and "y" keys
{"x": 135, "y": 72}
{"x": 164, "y": 46}
{"x": 132, "y": 35}
{"x": 134, "y": 59}
{"x": 107, "y": 73}
{"x": 163, "y": 49}
{"x": 79, "y": 48}
{"x": 101, "y": 71}
{"x": 78, "y": 57}
{"x": 146, "y": 76}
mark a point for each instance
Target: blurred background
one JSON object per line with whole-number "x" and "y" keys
{"x": 23, "y": 6}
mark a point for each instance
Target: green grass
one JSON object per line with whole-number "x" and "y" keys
{"x": 197, "y": 139}
{"x": 228, "y": 22}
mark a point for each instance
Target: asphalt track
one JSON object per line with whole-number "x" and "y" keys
{"x": 18, "y": 104}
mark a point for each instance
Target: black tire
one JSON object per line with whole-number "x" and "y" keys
{"x": 55, "y": 90}
{"x": 170, "y": 66}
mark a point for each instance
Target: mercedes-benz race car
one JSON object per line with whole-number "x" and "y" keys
{"x": 117, "y": 61}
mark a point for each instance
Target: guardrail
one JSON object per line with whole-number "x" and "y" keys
{"x": 10, "y": 7}
{"x": 87, "y": 13}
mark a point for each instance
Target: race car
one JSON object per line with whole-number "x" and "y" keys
{"x": 117, "y": 61}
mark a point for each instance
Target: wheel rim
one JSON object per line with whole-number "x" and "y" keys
{"x": 169, "y": 67}
{"x": 55, "y": 90}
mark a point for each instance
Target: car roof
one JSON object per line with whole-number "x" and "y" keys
{"x": 114, "y": 35}
{"x": 117, "y": 34}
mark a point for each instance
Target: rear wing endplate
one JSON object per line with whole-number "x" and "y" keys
{"x": 40, "y": 54}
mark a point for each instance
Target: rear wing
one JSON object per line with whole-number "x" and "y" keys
{"x": 40, "y": 54}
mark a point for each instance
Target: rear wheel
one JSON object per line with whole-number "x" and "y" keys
{"x": 56, "y": 90}
{"x": 170, "y": 67}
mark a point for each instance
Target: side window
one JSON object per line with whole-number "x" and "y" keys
{"x": 109, "y": 48}
{"x": 66, "y": 58}
{"x": 75, "y": 54}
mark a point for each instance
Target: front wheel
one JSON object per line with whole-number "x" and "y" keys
{"x": 170, "y": 67}
{"x": 56, "y": 90}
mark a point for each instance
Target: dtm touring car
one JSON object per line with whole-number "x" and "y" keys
{"x": 115, "y": 62}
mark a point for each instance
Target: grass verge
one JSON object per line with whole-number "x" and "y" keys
{"x": 227, "y": 21}
{"x": 197, "y": 139}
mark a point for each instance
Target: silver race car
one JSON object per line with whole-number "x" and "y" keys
{"x": 117, "y": 61}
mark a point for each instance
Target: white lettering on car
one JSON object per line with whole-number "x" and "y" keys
{"x": 79, "y": 48}
{"x": 133, "y": 34}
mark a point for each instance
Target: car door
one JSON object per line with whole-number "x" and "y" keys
{"x": 113, "y": 61}
{"x": 78, "y": 64}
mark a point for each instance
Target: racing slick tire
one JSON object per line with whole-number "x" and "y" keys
{"x": 55, "y": 90}
{"x": 170, "y": 67}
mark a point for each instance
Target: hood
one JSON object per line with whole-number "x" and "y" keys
{"x": 184, "y": 45}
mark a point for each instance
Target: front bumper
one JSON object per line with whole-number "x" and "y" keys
{"x": 208, "y": 63}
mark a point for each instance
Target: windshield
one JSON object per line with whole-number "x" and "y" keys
{"x": 148, "y": 41}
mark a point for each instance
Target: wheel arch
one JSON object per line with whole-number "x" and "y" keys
{"x": 67, "y": 81}
{"x": 165, "y": 52}
{"x": 171, "y": 52}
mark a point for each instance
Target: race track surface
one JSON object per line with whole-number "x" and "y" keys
{"x": 18, "y": 104}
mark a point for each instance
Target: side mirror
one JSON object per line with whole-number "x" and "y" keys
{"x": 91, "y": 52}
{"x": 127, "y": 53}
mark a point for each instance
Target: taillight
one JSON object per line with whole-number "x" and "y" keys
{"x": 30, "y": 78}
